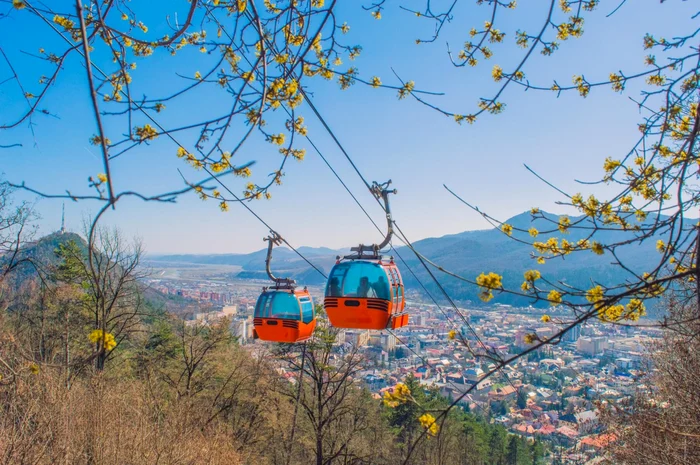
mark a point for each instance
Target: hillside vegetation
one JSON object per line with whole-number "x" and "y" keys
{"x": 147, "y": 387}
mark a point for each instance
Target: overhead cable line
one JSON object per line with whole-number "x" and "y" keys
{"x": 170, "y": 136}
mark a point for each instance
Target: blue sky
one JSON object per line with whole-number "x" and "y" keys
{"x": 564, "y": 139}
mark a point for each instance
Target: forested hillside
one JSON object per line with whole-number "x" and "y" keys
{"x": 168, "y": 391}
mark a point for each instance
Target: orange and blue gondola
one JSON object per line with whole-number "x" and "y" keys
{"x": 283, "y": 313}
{"x": 365, "y": 291}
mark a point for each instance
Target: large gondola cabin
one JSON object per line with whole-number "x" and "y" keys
{"x": 366, "y": 294}
{"x": 365, "y": 291}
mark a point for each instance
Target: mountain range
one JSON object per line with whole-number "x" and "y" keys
{"x": 467, "y": 254}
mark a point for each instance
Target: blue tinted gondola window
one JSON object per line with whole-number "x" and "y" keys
{"x": 358, "y": 279}
{"x": 262, "y": 307}
{"x": 307, "y": 309}
{"x": 285, "y": 305}
{"x": 278, "y": 305}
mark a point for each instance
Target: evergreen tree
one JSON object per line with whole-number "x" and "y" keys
{"x": 497, "y": 446}
{"x": 517, "y": 452}
{"x": 537, "y": 453}
{"x": 522, "y": 400}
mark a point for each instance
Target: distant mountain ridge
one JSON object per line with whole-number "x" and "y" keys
{"x": 468, "y": 254}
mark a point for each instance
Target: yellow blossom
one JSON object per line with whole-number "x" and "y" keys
{"x": 530, "y": 338}
{"x": 490, "y": 281}
{"x": 106, "y": 339}
{"x": 377, "y": 14}
{"x": 506, "y": 228}
{"x": 198, "y": 75}
{"x": 617, "y": 81}
{"x": 635, "y": 309}
{"x": 533, "y": 232}
{"x": 18, "y": 4}
{"x": 597, "y": 248}
{"x": 554, "y": 297}
{"x": 497, "y": 73}
{"x": 277, "y": 139}
{"x": 102, "y": 177}
{"x": 399, "y": 395}
{"x": 223, "y": 206}
{"x": 376, "y": 82}
{"x": 452, "y": 334}
{"x": 546, "y": 319}
{"x": 595, "y": 294}
{"x": 145, "y": 132}
{"x": 406, "y": 89}
{"x": 427, "y": 421}
{"x": 62, "y": 21}
{"x": 656, "y": 79}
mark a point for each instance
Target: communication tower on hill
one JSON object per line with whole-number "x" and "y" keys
{"x": 63, "y": 219}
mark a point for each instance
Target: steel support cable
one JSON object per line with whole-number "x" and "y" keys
{"x": 347, "y": 189}
{"x": 471, "y": 328}
{"x": 425, "y": 362}
{"x": 359, "y": 173}
{"x": 170, "y": 136}
{"x": 403, "y": 236}
{"x": 245, "y": 204}
{"x": 318, "y": 151}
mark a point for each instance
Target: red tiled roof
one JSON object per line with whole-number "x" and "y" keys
{"x": 599, "y": 441}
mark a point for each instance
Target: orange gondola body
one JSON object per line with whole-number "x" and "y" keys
{"x": 283, "y": 313}
{"x": 365, "y": 291}
{"x": 366, "y": 294}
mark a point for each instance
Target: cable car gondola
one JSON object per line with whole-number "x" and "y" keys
{"x": 364, "y": 290}
{"x": 283, "y": 313}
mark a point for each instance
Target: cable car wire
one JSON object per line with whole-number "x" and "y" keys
{"x": 419, "y": 256}
{"x": 425, "y": 362}
{"x": 245, "y": 204}
{"x": 172, "y": 138}
{"x": 347, "y": 189}
{"x": 402, "y": 236}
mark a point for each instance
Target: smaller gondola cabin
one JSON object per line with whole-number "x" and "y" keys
{"x": 284, "y": 315}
